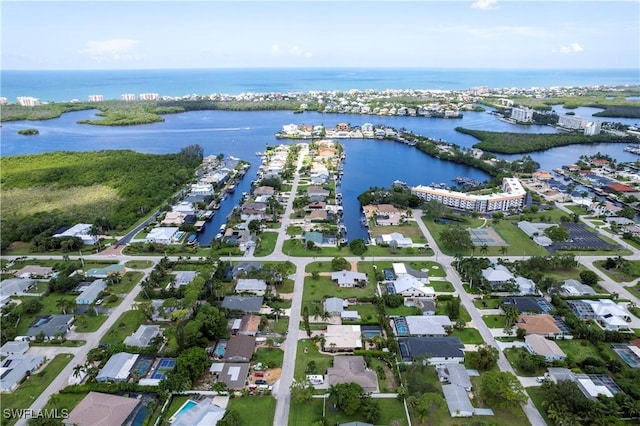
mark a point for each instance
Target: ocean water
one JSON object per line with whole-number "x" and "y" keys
{"x": 67, "y": 85}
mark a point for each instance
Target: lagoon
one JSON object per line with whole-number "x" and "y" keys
{"x": 241, "y": 134}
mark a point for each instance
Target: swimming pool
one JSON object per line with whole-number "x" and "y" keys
{"x": 627, "y": 355}
{"x": 401, "y": 327}
{"x": 221, "y": 348}
{"x": 188, "y": 405}
{"x": 370, "y": 331}
{"x": 179, "y": 235}
{"x": 143, "y": 365}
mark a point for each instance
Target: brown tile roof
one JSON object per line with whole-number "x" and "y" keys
{"x": 250, "y": 324}
{"x": 538, "y": 324}
{"x": 240, "y": 348}
{"x": 101, "y": 409}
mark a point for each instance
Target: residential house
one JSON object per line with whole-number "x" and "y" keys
{"x": 251, "y": 285}
{"x": 408, "y": 286}
{"x": 352, "y": 369}
{"x": 50, "y": 326}
{"x": 604, "y": 209}
{"x": 342, "y": 338}
{"x": 395, "y": 238}
{"x": 16, "y": 286}
{"x": 347, "y": 279}
{"x": 163, "y": 235}
{"x": 455, "y": 374}
{"x": 173, "y": 219}
{"x": 243, "y": 303}
{"x": 317, "y": 193}
{"x": 102, "y": 409}
{"x": 347, "y": 316}
{"x": 384, "y": 214}
{"x": 609, "y": 314}
{"x": 525, "y": 285}
{"x": 184, "y": 278}
{"x": 34, "y": 271}
{"x": 527, "y": 304}
{"x": 542, "y": 324}
{"x": 91, "y": 292}
{"x": 80, "y": 230}
{"x": 204, "y": 413}
{"x": 400, "y": 269}
{"x": 107, "y": 271}
{"x": 249, "y": 325}
{"x": 320, "y": 239}
{"x": 234, "y": 375}
{"x": 539, "y": 345}
{"x": 14, "y": 368}
{"x": 437, "y": 350}
{"x": 240, "y": 348}
{"x": 316, "y": 216}
{"x": 426, "y": 305}
{"x": 591, "y": 385}
{"x": 573, "y": 287}
{"x": 143, "y": 336}
{"x": 14, "y": 348}
{"x": 241, "y": 269}
{"x": 264, "y": 190}
{"x": 117, "y": 368}
{"x": 335, "y": 305}
{"x": 423, "y": 325}
{"x": 498, "y": 276}
{"x": 184, "y": 207}
{"x": 458, "y": 401}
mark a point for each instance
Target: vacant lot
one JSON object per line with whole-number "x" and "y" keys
{"x": 25, "y": 201}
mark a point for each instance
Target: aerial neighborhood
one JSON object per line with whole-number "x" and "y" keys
{"x": 509, "y": 303}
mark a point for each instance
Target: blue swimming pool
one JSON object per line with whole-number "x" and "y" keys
{"x": 188, "y": 405}
{"x": 221, "y": 348}
{"x": 401, "y": 327}
{"x": 179, "y": 235}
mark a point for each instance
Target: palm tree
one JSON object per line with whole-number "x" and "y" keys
{"x": 503, "y": 250}
{"x": 277, "y": 311}
{"x": 484, "y": 249}
{"x": 65, "y": 305}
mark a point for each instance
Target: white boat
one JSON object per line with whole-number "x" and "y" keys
{"x": 219, "y": 236}
{"x": 223, "y": 227}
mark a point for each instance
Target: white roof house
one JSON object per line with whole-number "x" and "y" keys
{"x": 143, "y": 336}
{"x": 609, "y": 314}
{"x": 525, "y": 285}
{"x": 118, "y": 367}
{"x": 458, "y": 401}
{"x": 427, "y": 325}
{"x": 91, "y": 292}
{"x": 335, "y": 305}
{"x": 497, "y": 275}
{"x": 575, "y": 288}
{"x": 348, "y": 278}
{"x": 184, "y": 277}
{"x": 163, "y": 235}
{"x": 204, "y": 413}
{"x": 14, "y": 348}
{"x": 408, "y": 286}
{"x": 343, "y": 337}
{"x": 15, "y": 286}
{"x": 81, "y": 230}
{"x": 399, "y": 239}
{"x": 539, "y": 345}
{"x": 15, "y": 368}
{"x": 250, "y": 285}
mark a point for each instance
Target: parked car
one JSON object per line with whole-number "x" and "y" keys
{"x": 261, "y": 382}
{"x": 258, "y": 373}
{"x": 540, "y": 379}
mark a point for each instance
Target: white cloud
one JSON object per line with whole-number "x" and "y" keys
{"x": 110, "y": 49}
{"x": 275, "y": 49}
{"x": 294, "y": 51}
{"x": 572, "y": 48}
{"x": 484, "y": 4}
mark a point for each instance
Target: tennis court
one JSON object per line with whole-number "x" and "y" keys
{"x": 164, "y": 366}
{"x": 488, "y": 236}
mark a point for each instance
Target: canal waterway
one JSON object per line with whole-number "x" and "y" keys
{"x": 241, "y": 134}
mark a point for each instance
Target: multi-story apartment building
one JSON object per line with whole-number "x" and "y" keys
{"x": 149, "y": 96}
{"x": 522, "y": 114}
{"x": 96, "y": 98}
{"x": 128, "y": 97}
{"x": 28, "y": 101}
{"x": 3, "y": 100}
{"x": 512, "y": 197}
{"x": 578, "y": 123}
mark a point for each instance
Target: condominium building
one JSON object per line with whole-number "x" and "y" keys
{"x": 96, "y": 98}
{"x": 128, "y": 97}
{"x": 28, "y": 101}
{"x": 512, "y": 197}
{"x": 3, "y": 100}
{"x": 522, "y": 114}
{"x": 149, "y": 96}
{"x": 592, "y": 128}
{"x": 572, "y": 122}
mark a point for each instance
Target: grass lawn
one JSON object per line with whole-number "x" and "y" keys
{"x": 176, "y": 403}
{"x": 403, "y": 311}
{"x": 441, "y": 309}
{"x": 31, "y": 388}
{"x": 295, "y": 230}
{"x": 468, "y": 336}
{"x": 268, "y": 357}
{"x": 492, "y": 303}
{"x": 444, "y": 286}
{"x": 266, "y": 245}
{"x": 126, "y": 284}
{"x": 503, "y": 416}
{"x": 62, "y": 401}
{"x": 578, "y": 349}
{"x": 513, "y": 354}
{"x": 128, "y": 323}
{"x": 628, "y": 273}
{"x": 580, "y": 210}
{"x": 495, "y": 321}
{"x": 254, "y": 410}
{"x": 409, "y": 229}
{"x": 302, "y": 359}
{"x": 323, "y": 288}
{"x": 537, "y": 396}
{"x": 319, "y": 267}
{"x": 48, "y": 307}
{"x": 310, "y": 412}
{"x": 139, "y": 264}
{"x": 287, "y": 286}
{"x": 277, "y": 327}
{"x": 297, "y": 248}
{"x": 87, "y": 324}
{"x": 367, "y": 311}
{"x": 434, "y": 268}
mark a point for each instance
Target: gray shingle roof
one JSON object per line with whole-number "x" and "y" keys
{"x": 244, "y": 304}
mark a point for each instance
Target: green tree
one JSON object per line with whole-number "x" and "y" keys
{"x": 340, "y": 264}
{"x": 32, "y": 306}
{"x": 502, "y": 389}
{"x": 435, "y": 210}
{"x": 371, "y": 410}
{"x": 358, "y": 246}
{"x": 589, "y": 278}
{"x": 231, "y": 418}
{"x": 192, "y": 363}
{"x": 456, "y": 238}
{"x": 174, "y": 382}
{"x": 453, "y": 308}
{"x": 557, "y": 233}
{"x": 301, "y": 392}
{"x": 346, "y": 397}
{"x": 627, "y": 212}
{"x": 427, "y": 407}
{"x": 213, "y": 321}
{"x": 485, "y": 358}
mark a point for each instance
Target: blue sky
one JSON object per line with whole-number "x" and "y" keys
{"x": 413, "y": 34}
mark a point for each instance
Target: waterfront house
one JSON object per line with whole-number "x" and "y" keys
{"x": 317, "y": 193}
{"x": 162, "y": 235}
